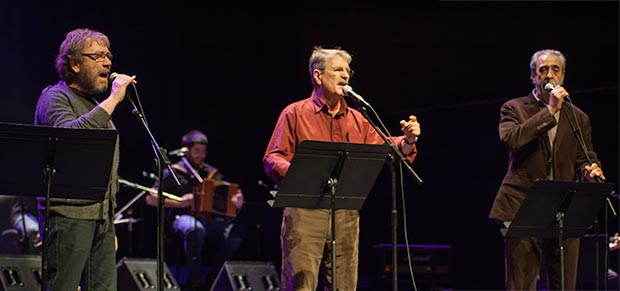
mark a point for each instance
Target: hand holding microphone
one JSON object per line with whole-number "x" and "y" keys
{"x": 117, "y": 92}
{"x": 119, "y": 85}
{"x": 556, "y": 96}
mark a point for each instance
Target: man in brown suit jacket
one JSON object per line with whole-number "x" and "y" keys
{"x": 541, "y": 145}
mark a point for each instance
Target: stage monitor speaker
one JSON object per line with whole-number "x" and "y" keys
{"x": 20, "y": 272}
{"x": 140, "y": 274}
{"x": 246, "y": 276}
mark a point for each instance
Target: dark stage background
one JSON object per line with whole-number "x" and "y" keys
{"x": 229, "y": 69}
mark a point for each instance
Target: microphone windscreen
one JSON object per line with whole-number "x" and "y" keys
{"x": 347, "y": 90}
{"x": 549, "y": 86}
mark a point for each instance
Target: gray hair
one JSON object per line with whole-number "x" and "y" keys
{"x": 320, "y": 56}
{"x": 539, "y": 53}
{"x": 71, "y": 49}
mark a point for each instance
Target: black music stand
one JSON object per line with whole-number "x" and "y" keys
{"x": 331, "y": 175}
{"x": 78, "y": 160}
{"x": 558, "y": 209}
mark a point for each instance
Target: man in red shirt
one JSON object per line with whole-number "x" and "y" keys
{"x": 324, "y": 116}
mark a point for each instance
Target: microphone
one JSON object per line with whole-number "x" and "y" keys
{"x": 178, "y": 152}
{"x": 113, "y": 76}
{"x": 348, "y": 91}
{"x": 549, "y": 86}
{"x": 135, "y": 110}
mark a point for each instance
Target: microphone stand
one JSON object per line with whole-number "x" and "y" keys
{"x": 582, "y": 145}
{"x": 162, "y": 160}
{"x": 395, "y": 156}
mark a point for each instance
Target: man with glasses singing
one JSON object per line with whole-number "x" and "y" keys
{"x": 323, "y": 116}
{"x": 81, "y": 234}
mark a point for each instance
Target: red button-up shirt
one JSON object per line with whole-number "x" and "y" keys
{"x": 309, "y": 119}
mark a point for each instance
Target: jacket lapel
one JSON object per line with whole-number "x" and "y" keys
{"x": 532, "y": 107}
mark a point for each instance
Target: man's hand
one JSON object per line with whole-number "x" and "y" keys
{"x": 593, "y": 171}
{"x": 411, "y": 128}
{"x": 187, "y": 200}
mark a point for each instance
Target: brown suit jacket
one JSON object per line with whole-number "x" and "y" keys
{"x": 523, "y": 128}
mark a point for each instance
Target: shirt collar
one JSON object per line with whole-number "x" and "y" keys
{"x": 319, "y": 104}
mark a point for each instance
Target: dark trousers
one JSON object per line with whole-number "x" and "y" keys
{"x": 524, "y": 257}
{"x": 212, "y": 233}
{"x": 80, "y": 251}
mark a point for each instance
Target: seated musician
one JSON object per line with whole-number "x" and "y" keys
{"x": 211, "y": 231}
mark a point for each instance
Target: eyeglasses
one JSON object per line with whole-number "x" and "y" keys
{"x": 99, "y": 57}
{"x": 341, "y": 70}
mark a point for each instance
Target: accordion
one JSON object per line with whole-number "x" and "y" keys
{"x": 215, "y": 198}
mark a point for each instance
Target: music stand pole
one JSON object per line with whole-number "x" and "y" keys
{"x": 332, "y": 183}
{"x": 560, "y": 218}
{"x": 49, "y": 172}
